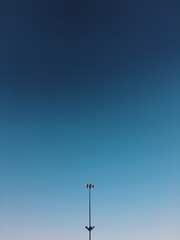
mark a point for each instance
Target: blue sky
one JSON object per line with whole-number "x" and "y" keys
{"x": 89, "y": 92}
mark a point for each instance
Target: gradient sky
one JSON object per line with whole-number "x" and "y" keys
{"x": 89, "y": 92}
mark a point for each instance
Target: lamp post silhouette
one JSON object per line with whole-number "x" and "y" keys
{"x": 89, "y": 228}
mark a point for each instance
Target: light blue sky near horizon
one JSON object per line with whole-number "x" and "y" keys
{"x": 129, "y": 148}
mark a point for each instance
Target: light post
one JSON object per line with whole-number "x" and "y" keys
{"x": 90, "y": 228}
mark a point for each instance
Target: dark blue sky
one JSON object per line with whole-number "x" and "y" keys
{"x": 90, "y": 91}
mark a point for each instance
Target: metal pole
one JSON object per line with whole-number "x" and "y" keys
{"x": 89, "y": 212}
{"x": 90, "y": 228}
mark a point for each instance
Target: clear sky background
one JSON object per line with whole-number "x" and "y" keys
{"x": 90, "y": 92}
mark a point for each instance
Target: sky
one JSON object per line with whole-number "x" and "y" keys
{"x": 89, "y": 92}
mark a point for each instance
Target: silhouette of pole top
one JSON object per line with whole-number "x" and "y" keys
{"x": 90, "y": 185}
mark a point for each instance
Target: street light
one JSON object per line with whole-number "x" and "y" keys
{"x": 90, "y": 228}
